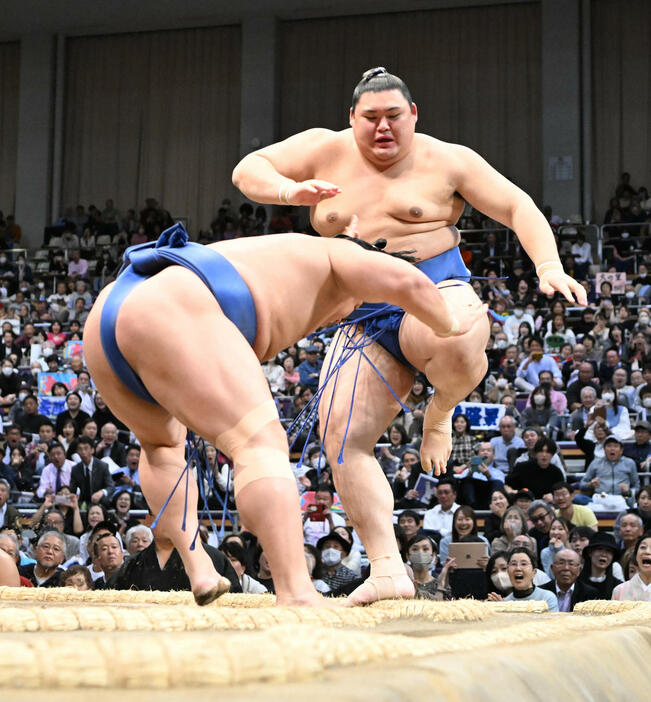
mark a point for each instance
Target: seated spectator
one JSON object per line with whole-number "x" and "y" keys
{"x": 559, "y": 539}
{"x": 138, "y": 538}
{"x": 79, "y": 313}
{"x": 557, "y": 335}
{"x": 579, "y": 416}
{"x": 577, "y": 515}
{"x": 480, "y": 479}
{"x": 497, "y": 576}
{"x": 586, "y": 378}
{"x": 462, "y": 443}
{"x": 638, "y": 449}
{"x": 29, "y": 420}
{"x": 77, "y": 266}
{"x": 409, "y": 522}
{"x": 237, "y": 558}
{"x": 95, "y": 515}
{"x": 557, "y": 397}
{"x": 537, "y": 474}
{"x": 90, "y": 478}
{"x": 629, "y": 528}
{"x": 464, "y": 523}
{"x": 353, "y": 561}
{"x": 541, "y": 514}
{"x": 541, "y": 413}
{"x": 514, "y": 523}
{"x": 638, "y": 588}
{"x": 580, "y": 538}
{"x": 120, "y": 513}
{"x": 643, "y": 507}
{"x": 513, "y": 322}
{"x": 310, "y": 369}
{"x": 522, "y": 570}
{"x": 73, "y": 412}
{"x": 404, "y": 494}
{"x": 9, "y": 575}
{"x": 507, "y": 440}
{"x": 10, "y": 383}
{"x": 110, "y": 556}
{"x": 68, "y": 437}
{"x": 56, "y": 473}
{"x": 569, "y": 590}
{"x": 50, "y": 554}
{"x": 613, "y": 474}
{"x": 110, "y": 447}
{"x": 439, "y": 518}
{"x": 598, "y": 557}
{"x": 531, "y": 436}
{"x": 319, "y": 519}
{"x": 263, "y": 574}
{"x": 315, "y": 568}
{"x": 493, "y": 521}
{"x": 422, "y": 552}
{"x": 333, "y": 548}
{"x": 9, "y": 515}
{"x": 85, "y": 390}
{"x": 528, "y": 370}
{"x": 77, "y": 576}
{"x": 391, "y": 456}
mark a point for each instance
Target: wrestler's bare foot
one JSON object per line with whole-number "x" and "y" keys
{"x": 435, "y": 451}
{"x": 382, "y": 587}
{"x": 208, "y": 591}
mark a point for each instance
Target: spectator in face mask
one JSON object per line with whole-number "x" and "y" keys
{"x": 514, "y": 523}
{"x": 512, "y": 324}
{"x": 540, "y": 412}
{"x": 422, "y": 553}
{"x": 557, "y": 398}
{"x": 333, "y": 549}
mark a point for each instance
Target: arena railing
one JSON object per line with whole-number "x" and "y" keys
{"x": 634, "y": 229}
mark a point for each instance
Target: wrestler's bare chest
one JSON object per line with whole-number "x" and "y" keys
{"x": 411, "y": 199}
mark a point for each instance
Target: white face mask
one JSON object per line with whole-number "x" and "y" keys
{"x": 7, "y": 371}
{"x": 630, "y": 294}
{"x": 22, "y": 396}
{"x": 331, "y": 556}
{"x": 319, "y": 462}
{"x": 608, "y": 397}
{"x": 531, "y": 313}
{"x": 647, "y": 402}
{"x": 47, "y": 351}
{"x": 518, "y": 313}
{"x": 501, "y": 580}
{"x": 624, "y": 235}
{"x": 514, "y": 526}
{"x": 421, "y": 560}
{"x": 643, "y": 321}
{"x": 502, "y": 383}
{"x": 501, "y": 344}
{"x": 539, "y": 400}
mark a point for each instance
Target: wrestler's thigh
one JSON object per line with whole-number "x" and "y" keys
{"x": 447, "y": 357}
{"x": 150, "y": 423}
{"x": 193, "y": 360}
{"x": 374, "y": 405}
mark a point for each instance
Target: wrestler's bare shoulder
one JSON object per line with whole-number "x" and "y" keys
{"x": 444, "y": 153}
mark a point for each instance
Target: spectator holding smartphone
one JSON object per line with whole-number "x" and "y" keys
{"x": 318, "y": 519}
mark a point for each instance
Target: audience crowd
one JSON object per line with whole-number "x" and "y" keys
{"x": 546, "y": 495}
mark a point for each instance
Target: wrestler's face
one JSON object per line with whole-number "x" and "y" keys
{"x": 383, "y": 126}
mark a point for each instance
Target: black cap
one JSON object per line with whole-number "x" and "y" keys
{"x": 334, "y": 536}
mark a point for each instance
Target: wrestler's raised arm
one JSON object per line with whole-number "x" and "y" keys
{"x": 379, "y": 277}
{"x": 283, "y": 173}
{"x": 493, "y": 194}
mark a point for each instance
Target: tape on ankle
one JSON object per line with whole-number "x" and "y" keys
{"x": 233, "y": 439}
{"x": 443, "y": 425}
{"x": 258, "y": 463}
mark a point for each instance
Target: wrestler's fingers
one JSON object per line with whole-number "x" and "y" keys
{"x": 546, "y": 288}
{"x": 579, "y": 292}
{"x": 565, "y": 291}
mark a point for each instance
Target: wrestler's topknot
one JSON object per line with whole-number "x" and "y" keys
{"x": 377, "y": 80}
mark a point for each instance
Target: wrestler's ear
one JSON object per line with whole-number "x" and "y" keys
{"x": 414, "y": 110}
{"x": 351, "y": 118}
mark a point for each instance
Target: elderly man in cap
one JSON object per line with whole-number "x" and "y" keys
{"x": 614, "y": 473}
{"x": 568, "y": 589}
{"x": 310, "y": 369}
{"x": 638, "y": 449}
{"x": 334, "y": 548}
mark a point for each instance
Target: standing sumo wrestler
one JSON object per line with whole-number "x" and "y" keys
{"x": 177, "y": 342}
{"x": 409, "y": 189}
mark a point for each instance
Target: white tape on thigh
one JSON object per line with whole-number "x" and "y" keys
{"x": 231, "y": 440}
{"x": 257, "y": 463}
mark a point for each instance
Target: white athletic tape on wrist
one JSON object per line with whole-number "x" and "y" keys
{"x": 283, "y": 192}
{"x": 548, "y": 266}
{"x": 235, "y": 438}
{"x": 257, "y": 463}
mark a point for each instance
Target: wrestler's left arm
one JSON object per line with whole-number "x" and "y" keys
{"x": 494, "y": 195}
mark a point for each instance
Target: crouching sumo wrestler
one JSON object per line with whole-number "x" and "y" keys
{"x": 177, "y": 342}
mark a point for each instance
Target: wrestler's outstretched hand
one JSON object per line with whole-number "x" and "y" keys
{"x": 556, "y": 280}
{"x": 311, "y": 192}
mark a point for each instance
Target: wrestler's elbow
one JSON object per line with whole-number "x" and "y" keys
{"x": 412, "y": 289}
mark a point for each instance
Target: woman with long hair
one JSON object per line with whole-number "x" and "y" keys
{"x": 391, "y": 456}
{"x": 497, "y": 505}
{"x": 541, "y": 413}
{"x": 559, "y": 538}
{"x": 422, "y": 553}
{"x": 514, "y": 523}
{"x": 462, "y": 443}
{"x": 464, "y": 523}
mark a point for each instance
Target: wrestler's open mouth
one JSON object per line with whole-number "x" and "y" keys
{"x": 384, "y": 140}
